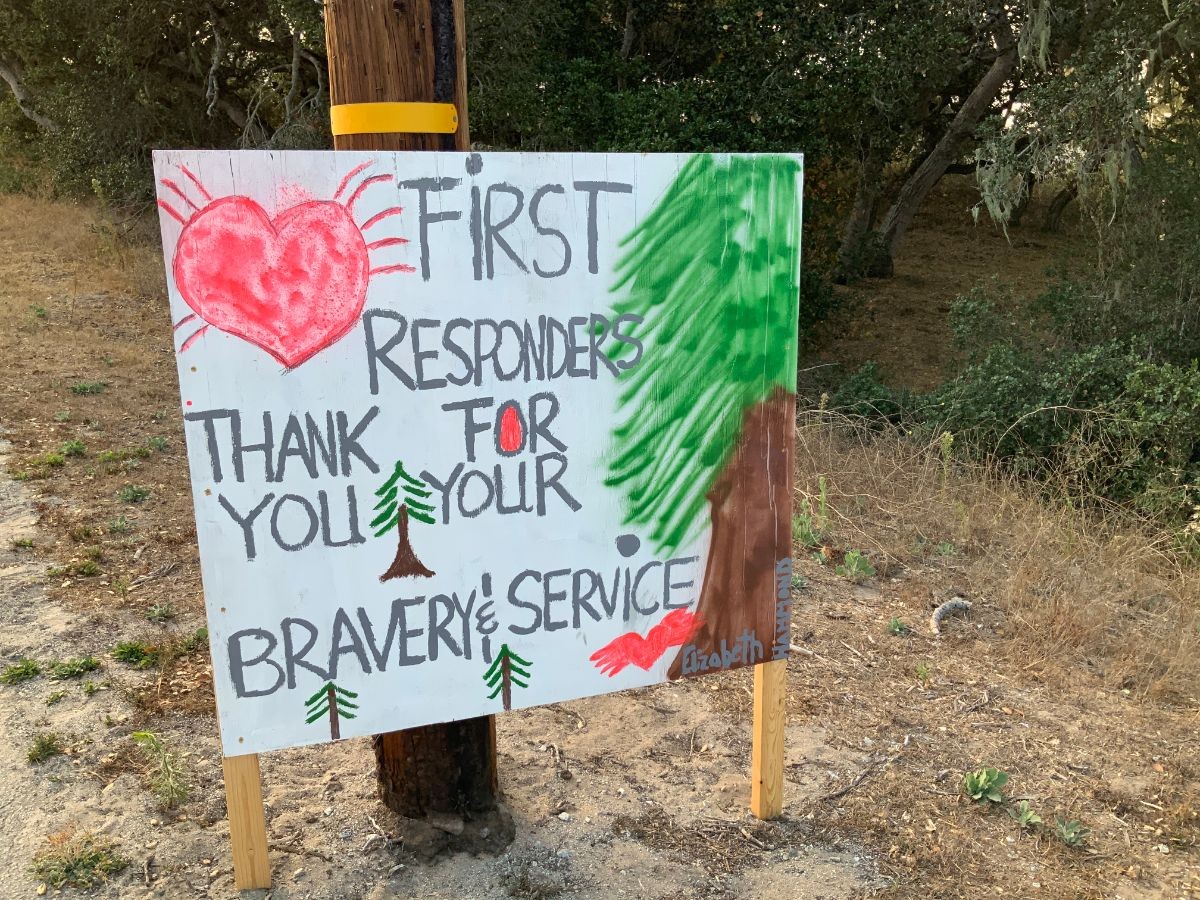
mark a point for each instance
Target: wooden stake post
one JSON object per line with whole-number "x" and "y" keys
{"x": 766, "y": 757}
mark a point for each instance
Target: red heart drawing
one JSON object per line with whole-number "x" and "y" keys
{"x": 292, "y": 285}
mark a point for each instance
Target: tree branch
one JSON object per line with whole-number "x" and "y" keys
{"x": 10, "y": 71}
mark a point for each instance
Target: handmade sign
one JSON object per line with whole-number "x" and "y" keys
{"x": 472, "y": 432}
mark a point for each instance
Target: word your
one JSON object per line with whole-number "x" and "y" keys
{"x": 746, "y": 651}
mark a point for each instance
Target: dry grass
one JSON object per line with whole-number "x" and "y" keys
{"x": 1098, "y": 589}
{"x": 1076, "y": 673}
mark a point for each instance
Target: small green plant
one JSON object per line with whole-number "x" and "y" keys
{"x": 21, "y": 543}
{"x": 90, "y": 687}
{"x": 81, "y": 533}
{"x": 120, "y": 525}
{"x": 197, "y": 640}
{"x": 799, "y": 582}
{"x": 94, "y": 553}
{"x": 897, "y": 628}
{"x": 985, "y": 785}
{"x": 946, "y": 548}
{"x": 1024, "y": 815}
{"x": 39, "y": 311}
{"x": 818, "y": 558}
{"x": 809, "y": 527}
{"x": 49, "y": 461}
{"x": 88, "y": 388}
{"x": 135, "y": 653}
{"x": 122, "y": 454}
{"x": 855, "y": 567}
{"x": 73, "y": 668}
{"x": 55, "y": 697}
{"x": 63, "y": 415}
{"x": 158, "y": 443}
{"x": 1070, "y": 832}
{"x": 45, "y": 745}
{"x": 73, "y": 447}
{"x": 923, "y": 673}
{"x": 87, "y": 568}
{"x": 160, "y": 613}
{"x": 76, "y": 859}
{"x": 132, "y": 493}
{"x": 166, "y": 774}
{"x": 946, "y": 452}
{"x": 22, "y": 670}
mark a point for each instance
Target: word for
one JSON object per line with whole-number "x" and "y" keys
{"x": 428, "y": 354}
{"x": 747, "y": 650}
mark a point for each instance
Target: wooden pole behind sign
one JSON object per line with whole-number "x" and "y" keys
{"x": 247, "y": 822}
{"x": 383, "y": 51}
{"x": 766, "y": 757}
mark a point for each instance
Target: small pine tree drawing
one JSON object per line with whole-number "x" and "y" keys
{"x": 402, "y": 497}
{"x": 334, "y": 702}
{"x": 503, "y": 674}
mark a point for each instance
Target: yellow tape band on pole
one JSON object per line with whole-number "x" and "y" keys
{"x": 392, "y": 118}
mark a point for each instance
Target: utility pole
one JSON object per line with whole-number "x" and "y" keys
{"x": 414, "y": 51}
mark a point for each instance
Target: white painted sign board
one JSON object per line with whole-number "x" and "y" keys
{"x": 471, "y": 432}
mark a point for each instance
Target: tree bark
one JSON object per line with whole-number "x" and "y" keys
{"x": 405, "y": 563}
{"x": 751, "y": 508}
{"x": 1058, "y": 206}
{"x": 857, "y": 235}
{"x": 10, "y": 71}
{"x": 916, "y": 188}
{"x": 416, "y": 51}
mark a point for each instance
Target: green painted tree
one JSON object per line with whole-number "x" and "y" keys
{"x": 402, "y": 497}
{"x": 505, "y": 671}
{"x": 708, "y": 416}
{"x": 334, "y": 702}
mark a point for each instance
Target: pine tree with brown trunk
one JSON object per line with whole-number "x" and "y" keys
{"x": 400, "y": 492}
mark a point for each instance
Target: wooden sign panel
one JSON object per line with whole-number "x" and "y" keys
{"x": 472, "y": 432}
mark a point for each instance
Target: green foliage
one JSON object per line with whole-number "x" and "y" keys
{"x": 855, "y": 567}
{"x": 21, "y": 543}
{"x": 22, "y": 670}
{"x": 1024, "y": 815}
{"x": 76, "y": 667}
{"x": 809, "y": 528}
{"x": 864, "y": 395}
{"x": 1070, "y": 832}
{"x": 119, "y": 525}
{"x": 77, "y": 859}
{"x": 985, "y": 785}
{"x": 158, "y": 443}
{"x": 122, "y": 454}
{"x": 73, "y": 447}
{"x": 87, "y": 568}
{"x": 708, "y": 280}
{"x": 400, "y": 491}
{"x": 88, "y": 388}
{"x": 132, "y": 493}
{"x": 45, "y": 745}
{"x": 138, "y": 654}
{"x": 55, "y": 697}
{"x": 166, "y": 774}
{"x": 923, "y": 673}
{"x": 897, "y": 628}
{"x": 160, "y": 613}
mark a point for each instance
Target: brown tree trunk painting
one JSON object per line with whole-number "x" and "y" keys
{"x": 737, "y": 596}
{"x": 405, "y": 562}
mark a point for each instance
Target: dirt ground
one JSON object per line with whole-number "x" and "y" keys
{"x": 1075, "y": 671}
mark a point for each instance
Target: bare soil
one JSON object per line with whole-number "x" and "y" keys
{"x": 1075, "y": 672}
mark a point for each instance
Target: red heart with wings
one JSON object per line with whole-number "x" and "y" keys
{"x": 675, "y": 628}
{"x": 292, "y": 285}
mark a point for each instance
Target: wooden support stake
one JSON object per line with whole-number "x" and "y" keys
{"x": 766, "y": 759}
{"x": 247, "y": 822}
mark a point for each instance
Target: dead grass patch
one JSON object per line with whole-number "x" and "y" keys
{"x": 1096, "y": 589}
